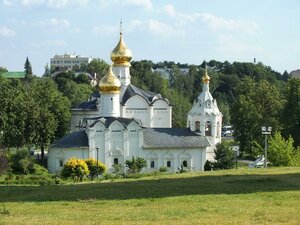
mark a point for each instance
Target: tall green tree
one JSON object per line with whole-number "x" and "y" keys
{"x": 224, "y": 156}
{"x": 28, "y": 69}
{"x": 290, "y": 117}
{"x": 2, "y": 69}
{"x": 12, "y": 113}
{"x": 281, "y": 152}
{"x": 257, "y": 104}
{"x": 47, "y": 72}
{"x": 97, "y": 66}
{"x": 53, "y": 113}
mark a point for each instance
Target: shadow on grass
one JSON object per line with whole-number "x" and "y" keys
{"x": 156, "y": 188}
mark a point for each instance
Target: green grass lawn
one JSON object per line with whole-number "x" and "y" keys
{"x": 243, "y": 196}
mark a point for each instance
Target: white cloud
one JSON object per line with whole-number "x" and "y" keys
{"x": 6, "y": 32}
{"x": 106, "y": 30}
{"x": 57, "y": 4}
{"x": 54, "y": 22}
{"x": 219, "y": 23}
{"x": 164, "y": 30}
{"x": 229, "y": 45}
{"x": 9, "y": 3}
{"x": 146, "y": 4}
{"x": 214, "y": 22}
{"x": 157, "y": 28}
{"x": 170, "y": 10}
{"x": 52, "y": 43}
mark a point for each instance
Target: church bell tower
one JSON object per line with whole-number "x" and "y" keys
{"x": 205, "y": 117}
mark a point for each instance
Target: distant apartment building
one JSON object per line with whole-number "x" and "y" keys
{"x": 67, "y": 61}
{"x": 295, "y": 73}
{"x": 167, "y": 73}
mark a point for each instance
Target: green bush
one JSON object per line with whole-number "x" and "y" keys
{"x": 21, "y": 161}
{"x": 29, "y": 180}
{"x": 224, "y": 156}
{"x": 208, "y": 165}
{"x": 3, "y": 162}
{"x": 163, "y": 169}
{"x": 77, "y": 169}
{"x": 135, "y": 165}
{"x": 95, "y": 168}
{"x": 39, "y": 170}
{"x": 281, "y": 152}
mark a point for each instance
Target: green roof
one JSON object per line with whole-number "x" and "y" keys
{"x": 18, "y": 74}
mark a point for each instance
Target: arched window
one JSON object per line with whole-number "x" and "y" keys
{"x": 197, "y": 126}
{"x": 208, "y": 104}
{"x": 116, "y": 161}
{"x": 208, "y": 128}
{"x": 168, "y": 163}
{"x": 184, "y": 163}
{"x": 152, "y": 164}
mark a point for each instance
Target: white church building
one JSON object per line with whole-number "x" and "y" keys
{"x": 126, "y": 121}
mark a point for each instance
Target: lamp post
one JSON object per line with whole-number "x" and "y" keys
{"x": 97, "y": 150}
{"x": 266, "y": 130}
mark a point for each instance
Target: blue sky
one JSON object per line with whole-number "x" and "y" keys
{"x": 185, "y": 31}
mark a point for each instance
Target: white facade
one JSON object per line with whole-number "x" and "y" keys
{"x": 68, "y": 61}
{"x": 125, "y": 138}
{"x": 205, "y": 118}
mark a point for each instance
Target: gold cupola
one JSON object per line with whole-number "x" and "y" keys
{"x": 206, "y": 78}
{"x": 110, "y": 83}
{"x": 121, "y": 55}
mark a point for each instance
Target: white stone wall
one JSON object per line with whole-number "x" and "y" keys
{"x": 78, "y": 115}
{"x": 57, "y": 156}
{"x": 195, "y": 159}
{"x": 122, "y": 143}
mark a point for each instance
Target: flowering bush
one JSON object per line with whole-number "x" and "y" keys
{"x": 95, "y": 167}
{"x": 75, "y": 168}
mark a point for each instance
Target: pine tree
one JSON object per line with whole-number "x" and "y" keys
{"x": 28, "y": 69}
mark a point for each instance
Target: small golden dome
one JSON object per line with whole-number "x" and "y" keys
{"x": 110, "y": 83}
{"x": 121, "y": 55}
{"x": 206, "y": 78}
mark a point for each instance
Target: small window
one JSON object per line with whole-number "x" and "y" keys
{"x": 61, "y": 163}
{"x": 208, "y": 128}
{"x": 184, "y": 163}
{"x": 197, "y": 126}
{"x": 152, "y": 164}
{"x": 168, "y": 163}
{"x": 116, "y": 161}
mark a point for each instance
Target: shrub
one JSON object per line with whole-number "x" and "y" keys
{"x": 39, "y": 170}
{"x": 135, "y": 165}
{"x": 224, "y": 156}
{"x": 163, "y": 169}
{"x": 95, "y": 167}
{"x": 26, "y": 166}
{"x": 3, "y": 162}
{"x": 281, "y": 152}
{"x": 76, "y": 169}
{"x": 21, "y": 161}
{"x": 208, "y": 165}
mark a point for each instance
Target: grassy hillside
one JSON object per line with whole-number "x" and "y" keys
{"x": 245, "y": 196}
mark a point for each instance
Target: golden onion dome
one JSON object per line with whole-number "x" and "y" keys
{"x": 206, "y": 78}
{"x": 110, "y": 83}
{"x": 121, "y": 55}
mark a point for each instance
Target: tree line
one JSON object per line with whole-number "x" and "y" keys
{"x": 36, "y": 111}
